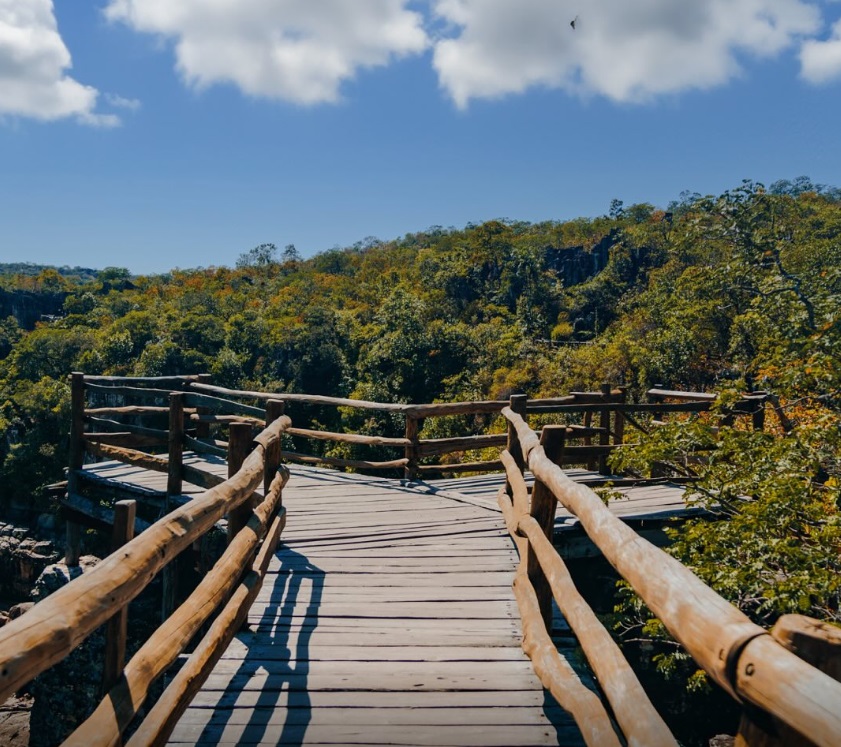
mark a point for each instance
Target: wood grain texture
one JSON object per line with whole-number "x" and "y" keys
{"x": 106, "y": 724}
{"x": 55, "y": 626}
{"x": 639, "y": 721}
{"x": 383, "y": 601}
{"x": 739, "y": 655}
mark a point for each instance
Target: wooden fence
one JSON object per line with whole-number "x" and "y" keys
{"x": 605, "y": 416}
{"x": 757, "y": 668}
{"x": 151, "y": 422}
{"x": 57, "y": 625}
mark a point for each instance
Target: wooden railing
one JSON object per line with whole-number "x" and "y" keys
{"x": 605, "y": 418}
{"x": 54, "y": 627}
{"x": 755, "y": 667}
{"x": 151, "y": 423}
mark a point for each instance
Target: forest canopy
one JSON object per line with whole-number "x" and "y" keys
{"x": 730, "y": 293}
{"x": 741, "y": 289}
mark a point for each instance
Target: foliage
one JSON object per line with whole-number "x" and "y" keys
{"x": 730, "y": 292}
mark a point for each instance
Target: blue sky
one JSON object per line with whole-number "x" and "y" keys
{"x": 186, "y": 133}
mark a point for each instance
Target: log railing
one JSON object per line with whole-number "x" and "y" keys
{"x": 597, "y": 423}
{"x": 605, "y": 414}
{"x": 755, "y": 667}
{"x": 54, "y": 627}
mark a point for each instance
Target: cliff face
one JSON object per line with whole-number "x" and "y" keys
{"x": 28, "y": 308}
{"x": 575, "y": 264}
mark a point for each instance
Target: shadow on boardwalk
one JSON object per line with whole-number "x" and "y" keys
{"x": 277, "y": 628}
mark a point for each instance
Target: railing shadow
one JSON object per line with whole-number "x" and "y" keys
{"x": 282, "y": 629}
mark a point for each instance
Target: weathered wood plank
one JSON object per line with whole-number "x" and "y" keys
{"x": 373, "y": 734}
{"x": 367, "y": 715}
{"x": 382, "y": 596}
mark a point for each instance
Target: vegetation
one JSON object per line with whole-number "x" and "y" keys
{"x": 729, "y": 293}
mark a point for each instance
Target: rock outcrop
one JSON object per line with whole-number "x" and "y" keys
{"x": 68, "y": 692}
{"x": 22, "y": 560}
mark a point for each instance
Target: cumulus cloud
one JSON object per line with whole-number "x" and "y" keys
{"x": 33, "y": 65}
{"x": 821, "y": 60}
{"x": 120, "y": 102}
{"x": 298, "y": 50}
{"x": 626, "y": 51}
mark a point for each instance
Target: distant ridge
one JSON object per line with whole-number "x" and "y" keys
{"x": 29, "y": 268}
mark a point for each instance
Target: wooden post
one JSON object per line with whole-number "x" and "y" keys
{"x": 592, "y": 463}
{"x": 239, "y": 447}
{"x": 73, "y": 542}
{"x": 518, "y": 404}
{"x": 543, "y": 507}
{"x": 77, "y": 421}
{"x": 410, "y": 471}
{"x": 115, "y": 629}
{"x": 619, "y": 418}
{"x": 604, "y": 423}
{"x": 815, "y": 642}
{"x": 175, "y": 472}
{"x": 274, "y": 410}
{"x": 176, "y": 443}
{"x": 203, "y": 429}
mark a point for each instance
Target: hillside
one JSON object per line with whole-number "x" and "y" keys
{"x": 738, "y": 289}
{"x": 730, "y": 293}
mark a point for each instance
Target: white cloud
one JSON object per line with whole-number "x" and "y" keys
{"x": 120, "y": 102}
{"x": 821, "y": 60}
{"x": 298, "y": 50}
{"x": 33, "y": 65}
{"x": 626, "y": 51}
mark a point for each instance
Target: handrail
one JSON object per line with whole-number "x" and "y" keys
{"x": 118, "y": 708}
{"x": 634, "y": 713}
{"x": 608, "y": 405}
{"x": 55, "y": 626}
{"x": 162, "y": 717}
{"x": 735, "y": 652}
{"x": 606, "y": 413}
{"x": 158, "y": 380}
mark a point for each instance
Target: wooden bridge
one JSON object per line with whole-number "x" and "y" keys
{"x": 386, "y": 616}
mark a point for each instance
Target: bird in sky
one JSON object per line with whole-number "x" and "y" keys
{"x": 573, "y": 22}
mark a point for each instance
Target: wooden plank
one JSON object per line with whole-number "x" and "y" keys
{"x": 441, "y": 594}
{"x": 161, "y": 381}
{"x": 352, "y": 582}
{"x": 493, "y": 465}
{"x": 114, "y": 425}
{"x": 435, "y": 446}
{"x": 328, "y": 700}
{"x": 218, "y": 404}
{"x": 375, "y": 680}
{"x": 375, "y": 653}
{"x": 397, "y": 611}
{"x": 372, "y": 734}
{"x": 362, "y": 715}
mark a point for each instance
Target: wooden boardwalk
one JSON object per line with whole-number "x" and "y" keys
{"x": 387, "y": 619}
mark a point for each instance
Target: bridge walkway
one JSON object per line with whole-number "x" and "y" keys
{"x": 387, "y": 619}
